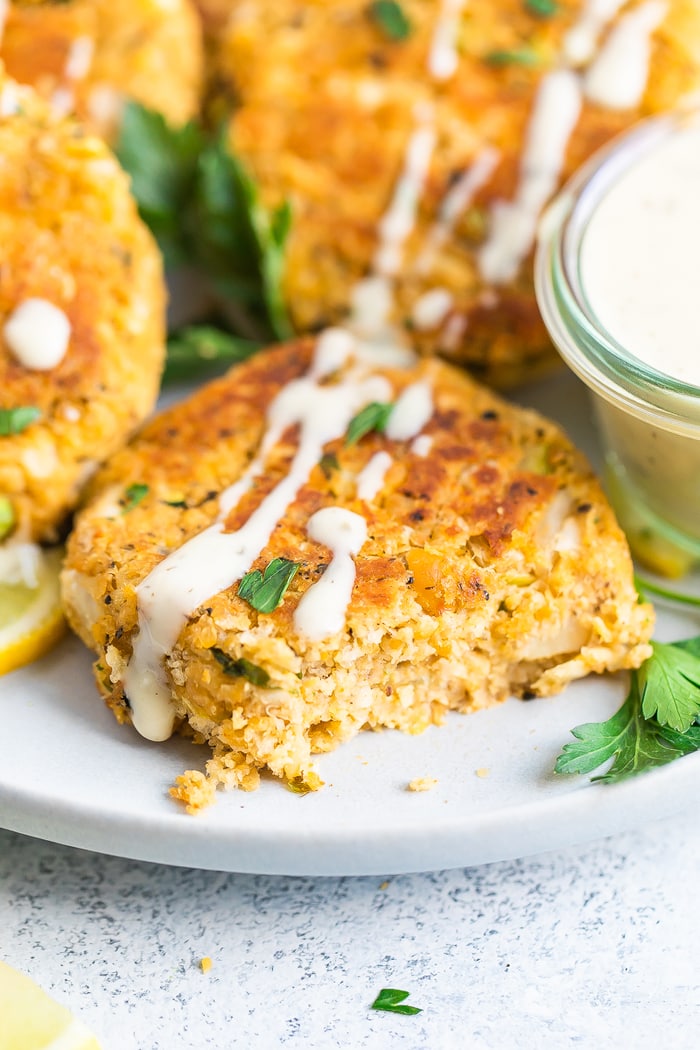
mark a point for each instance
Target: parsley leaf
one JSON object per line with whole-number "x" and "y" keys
{"x": 647, "y": 587}
{"x": 523, "y": 56}
{"x": 133, "y": 496}
{"x": 193, "y": 349}
{"x": 265, "y": 590}
{"x": 391, "y": 19}
{"x": 634, "y": 742}
{"x": 542, "y": 8}
{"x": 328, "y": 463}
{"x": 374, "y": 416}
{"x": 390, "y": 999}
{"x": 241, "y": 668}
{"x": 669, "y": 683}
{"x": 15, "y": 420}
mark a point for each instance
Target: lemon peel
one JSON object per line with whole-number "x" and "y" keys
{"x": 32, "y": 1020}
{"x": 31, "y": 617}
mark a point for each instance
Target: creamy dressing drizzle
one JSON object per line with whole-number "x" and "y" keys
{"x": 37, "y": 334}
{"x": 412, "y": 410}
{"x": 398, "y": 221}
{"x": 581, "y": 41}
{"x": 213, "y": 560}
{"x": 422, "y": 445}
{"x": 321, "y": 611}
{"x": 4, "y": 10}
{"x": 618, "y": 77}
{"x": 77, "y": 67}
{"x": 443, "y": 58}
{"x": 431, "y": 309}
{"x": 371, "y": 477}
{"x": 514, "y": 223}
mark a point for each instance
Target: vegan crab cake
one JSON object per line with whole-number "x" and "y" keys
{"x": 322, "y": 544}
{"x": 420, "y": 142}
{"x": 89, "y": 56}
{"x": 81, "y": 313}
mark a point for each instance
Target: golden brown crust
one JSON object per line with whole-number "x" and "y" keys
{"x": 326, "y": 105}
{"x": 71, "y": 235}
{"x": 492, "y": 565}
{"x": 148, "y": 50}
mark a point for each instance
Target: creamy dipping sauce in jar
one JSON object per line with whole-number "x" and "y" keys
{"x": 618, "y": 284}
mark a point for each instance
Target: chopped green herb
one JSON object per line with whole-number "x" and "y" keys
{"x": 192, "y": 349}
{"x": 374, "y": 416}
{"x": 7, "y": 516}
{"x": 133, "y": 496}
{"x": 637, "y": 741}
{"x": 15, "y": 420}
{"x": 265, "y": 590}
{"x": 297, "y": 787}
{"x": 523, "y": 56}
{"x": 393, "y": 1001}
{"x": 391, "y": 19}
{"x": 542, "y": 8}
{"x": 328, "y": 464}
{"x": 241, "y": 668}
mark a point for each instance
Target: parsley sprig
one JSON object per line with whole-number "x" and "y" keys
{"x": 265, "y": 590}
{"x": 657, "y": 723}
{"x": 15, "y": 420}
{"x": 393, "y": 1000}
{"x": 391, "y": 19}
{"x": 241, "y": 668}
{"x": 204, "y": 210}
{"x": 134, "y": 495}
{"x": 374, "y": 416}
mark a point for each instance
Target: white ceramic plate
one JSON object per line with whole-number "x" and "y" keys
{"x": 70, "y": 774}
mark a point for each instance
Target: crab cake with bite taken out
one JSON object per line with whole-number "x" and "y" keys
{"x": 326, "y": 540}
{"x": 82, "y": 303}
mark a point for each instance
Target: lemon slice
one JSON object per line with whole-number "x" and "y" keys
{"x": 31, "y": 1020}
{"x": 31, "y": 618}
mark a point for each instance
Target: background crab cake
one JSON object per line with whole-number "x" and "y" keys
{"x": 81, "y": 311}
{"x": 88, "y": 56}
{"x": 492, "y": 565}
{"x": 425, "y": 146}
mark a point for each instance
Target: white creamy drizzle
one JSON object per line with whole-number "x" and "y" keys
{"x": 514, "y": 223}
{"x": 456, "y": 201}
{"x": 422, "y": 445}
{"x": 37, "y": 333}
{"x": 581, "y": 41}
{"x": 443, "y": 58}
{"x": 412, "y": 410}
{"x": 4, "y": 11}
{"x": 371, "y": 477}
{"x": 431, "y": 309}
{"x": 321, "y": 611}
{"x": 213, "y": 560}
{"x": 618, "y": 77}
{"x": 77, "y": 67}
{"x": 398, "y": 221}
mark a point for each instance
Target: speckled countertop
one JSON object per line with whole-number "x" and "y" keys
{"x": 590, "y": 947}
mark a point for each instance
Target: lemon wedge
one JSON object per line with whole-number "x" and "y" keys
{"x": 31, "y": 618}
{"x": 31, "y": 1020}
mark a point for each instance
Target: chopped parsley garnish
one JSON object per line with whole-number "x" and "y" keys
{"x": 523, "y": 56}
{"x": 192, "y": 349}
{"x": 374, "y": 416}
{"x": 391, "y": 18}
{"x": 542, "y": 8}
{"x": 133, "y": 496}
{"x": 265, "y": 590}
{"x": 15, "y": 420}
{"x": 241, "y": 668}
{"x": 7, "y": 516}
{"x": 656, "y": 724}
{"x": 328, "y": 464}
{"x": 393, "y": 1001}
{"x": 203, "y": 208}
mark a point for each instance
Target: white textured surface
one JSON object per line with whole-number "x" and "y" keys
{"x": 587, "y": 948}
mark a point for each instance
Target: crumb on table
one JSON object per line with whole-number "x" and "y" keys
{"x": 422, "y": 784}
{"x": 205, "y": 964}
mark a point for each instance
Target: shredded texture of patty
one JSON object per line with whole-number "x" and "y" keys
{"x": 327, "y": 100}
{"x": 493, "y": 565}
{"x": 88, "y": 56}
{"x": 71, "y": 237}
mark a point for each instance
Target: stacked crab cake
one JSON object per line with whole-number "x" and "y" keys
{"x": 89, "y": 56}
{"x": 324, "y": 542}
{"x": 81, "y": 314}
{"x": 419, "y": 142}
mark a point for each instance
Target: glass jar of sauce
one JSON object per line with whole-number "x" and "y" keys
{"x": 618, "y": 285}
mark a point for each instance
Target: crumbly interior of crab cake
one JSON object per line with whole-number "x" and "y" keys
{"x": 454, "y": 551}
